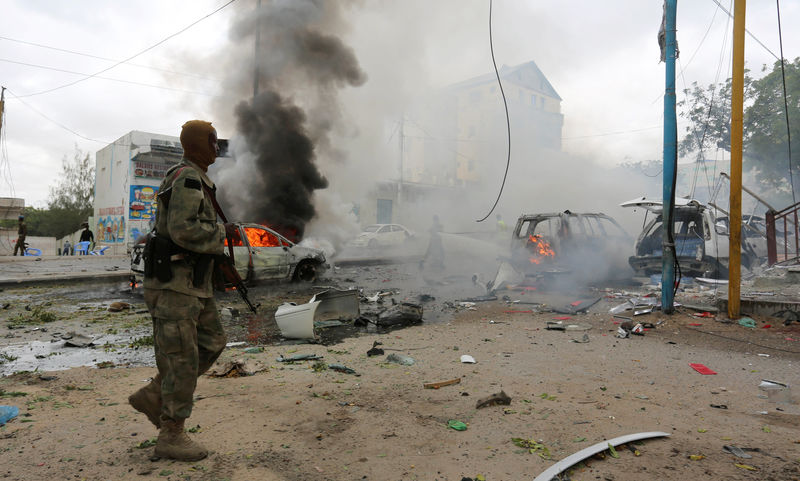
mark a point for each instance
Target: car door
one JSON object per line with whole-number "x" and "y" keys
{"x": 270, "y": 258}
{"x": 241, "y": 253}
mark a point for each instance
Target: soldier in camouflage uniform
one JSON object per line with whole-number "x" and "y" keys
{"x": 187, "y": 333}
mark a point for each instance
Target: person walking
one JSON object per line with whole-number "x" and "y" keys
{"x": 22, "y": 232}
{"x": 187, "y": 333}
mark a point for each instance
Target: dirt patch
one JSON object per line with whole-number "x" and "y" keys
{"x": 294, "y": 422}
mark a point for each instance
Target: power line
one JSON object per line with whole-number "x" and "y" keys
{"x": 786, "y": 104}
{"x": 508, "y": 122}
{"x": 132, "y": 82}
{"x": 748, "y": 31}
{"x": 83, "y": 54}
{"x": 54, "y": 121}
{"x": 129, "y": 58}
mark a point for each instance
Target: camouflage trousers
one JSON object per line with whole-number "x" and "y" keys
{"x": 188, "y": 338}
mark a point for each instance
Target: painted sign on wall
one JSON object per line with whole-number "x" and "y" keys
{"x": 110, "y": 229}
{"x": 143, "y": 202}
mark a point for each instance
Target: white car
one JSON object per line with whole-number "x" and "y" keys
{"x": 382, "y": 235}
{"x": 260, "y": 254}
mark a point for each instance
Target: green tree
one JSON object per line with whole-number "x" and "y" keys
{"x": 70, "y": 201}
{"x": 765, "y": 135}
{"x": 765, "y": 142}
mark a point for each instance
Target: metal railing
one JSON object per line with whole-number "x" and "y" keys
{"x": 788, "y": 236}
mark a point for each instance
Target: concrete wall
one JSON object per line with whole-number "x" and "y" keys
{"x": 8, "y": 239}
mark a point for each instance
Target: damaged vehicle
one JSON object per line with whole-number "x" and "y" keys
{"x": 701, "y": 240}
{"x": 588, "y": 244}
{"x": 260, "y": 254}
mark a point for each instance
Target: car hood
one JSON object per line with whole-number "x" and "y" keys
{"x": 657, "y": 205}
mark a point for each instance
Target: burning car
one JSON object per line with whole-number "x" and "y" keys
{"x": 260, "y": 254}
{"x": 585, "y": 243}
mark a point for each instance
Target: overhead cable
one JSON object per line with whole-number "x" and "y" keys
{"x": 129, "y": 58}
{"x": 786, "y": 105}
{"x": 508, "y": 122}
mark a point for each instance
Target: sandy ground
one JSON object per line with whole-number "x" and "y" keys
{"x": 295, "y": 422}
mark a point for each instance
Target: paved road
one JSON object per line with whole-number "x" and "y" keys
{"x": 25, "y": 270}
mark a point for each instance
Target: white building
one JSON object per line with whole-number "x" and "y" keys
{"x": 127, "y": 175}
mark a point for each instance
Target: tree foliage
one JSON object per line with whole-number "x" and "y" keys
{"x": 70, "y": 202}
{"x": 765, "y": 140}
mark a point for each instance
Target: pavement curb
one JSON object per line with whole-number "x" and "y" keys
{"x": 73, "y": 278}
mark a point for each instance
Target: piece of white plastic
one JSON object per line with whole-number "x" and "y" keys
{"x": 565, "y": 463}
{"x": 467, "y": 359}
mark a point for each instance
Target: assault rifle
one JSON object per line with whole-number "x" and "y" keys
{"x": 224, "y": 265}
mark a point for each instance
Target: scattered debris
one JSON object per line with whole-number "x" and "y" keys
{"x": 375, "y": 351}
{"x": 777, "y": 392}
{"x": 437, "y": 385}
{"x": 701, "y": 368}
{"x": 7, "y": 413}
{"x": 457, "y": 425}
{"x": 342, "y": 368}
{"x": 572, "y": 459}
{"x": 467, "y": 359}
{"x": 404, "y": 313}
{"x": 478, "y": 299}
{"x": 401, "y": 359}
{"x": 77, "y": 340}
{"x": 738, "y": 452}
{"x": 118, "y": 306}
{"x": 298, "y": 357}
{"x": 584, "y": 339}
{"x": 577, "y": 306}
{"x": 237, "y": 368}
{"x": 493, "y": 400}
{"x": 747, "y": 322}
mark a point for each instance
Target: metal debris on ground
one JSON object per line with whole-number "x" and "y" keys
{"x": 298, "y": 357}
{"x": 342, "y": 368}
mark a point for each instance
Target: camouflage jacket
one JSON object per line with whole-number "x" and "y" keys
{"x": 190, "y": 221}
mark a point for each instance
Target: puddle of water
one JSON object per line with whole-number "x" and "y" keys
{"x": 56, "y": 356}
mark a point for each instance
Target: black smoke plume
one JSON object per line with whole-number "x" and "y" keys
{"x": 300, "y": 66}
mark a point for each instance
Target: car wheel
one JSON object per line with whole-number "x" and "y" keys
{"x": 372, "y": 244}
{"x": 306, "y": 271}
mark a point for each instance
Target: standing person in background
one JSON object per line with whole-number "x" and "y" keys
{"x": 22, "y": 232}
{"x": 179, "y": 260}
{"x": 435, "y": 253}
{"x": 501, "y": 224}
{"x": 87, "y": 235}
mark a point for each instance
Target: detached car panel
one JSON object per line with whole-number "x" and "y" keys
{"x": 261, "y": 254}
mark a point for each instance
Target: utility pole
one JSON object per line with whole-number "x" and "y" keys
{"x": 735, "y": 217}
{"x": 255, "y": 51}
{"x": 670, "y": 163}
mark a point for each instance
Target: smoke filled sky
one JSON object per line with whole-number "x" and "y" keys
{"x": 601, "y": 57}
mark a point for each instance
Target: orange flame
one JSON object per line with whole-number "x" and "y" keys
{"x": 541, "y": 248}
{"x": 261, "y": 238}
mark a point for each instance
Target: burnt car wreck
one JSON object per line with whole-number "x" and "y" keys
{"x": 584, "y": 245}
{"x": 260, "y": 254}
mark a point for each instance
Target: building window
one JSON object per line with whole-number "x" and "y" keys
{"x": 533, "y": 100}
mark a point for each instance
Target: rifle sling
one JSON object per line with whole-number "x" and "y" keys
{"x": 221, "y": 216}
